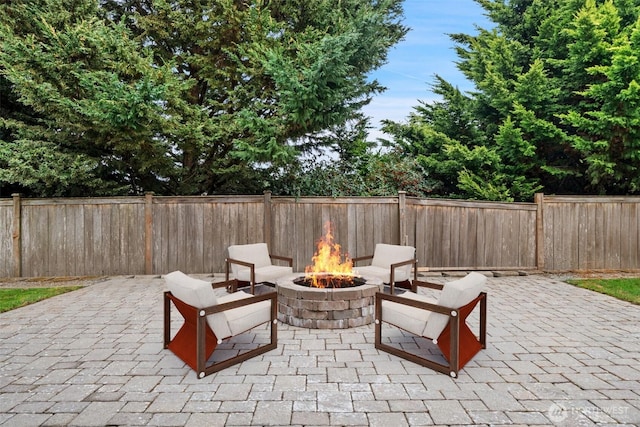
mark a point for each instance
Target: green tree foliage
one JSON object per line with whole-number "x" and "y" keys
{"x": 555, "y": 105}
{"x": 180, "y": 97}
{"x": 353, "y": 169}
{"x": 447, "y": 142}
{"x": 274, "y": 77}
{"x": 87, "y": 110}
{"x": 606, "y": 123}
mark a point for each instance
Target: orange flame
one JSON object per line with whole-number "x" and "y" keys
{"x": 328, "y": 261}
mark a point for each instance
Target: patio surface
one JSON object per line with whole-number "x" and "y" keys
{"x": 556, "y": 355}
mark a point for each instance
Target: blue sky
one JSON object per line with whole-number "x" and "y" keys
{"x": 425, "y": 52}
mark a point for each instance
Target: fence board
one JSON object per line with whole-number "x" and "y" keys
{"x": 366, "y": 238}
{"x": 630, "y": 235}
{"x": 612, "y": 236}
{"x": 35, "y": 241}
{"x": 492, "y": 237}
{"x": 216, "y": 225}
{"x": 6, "y": 238}
{"x": 585, "y": 242}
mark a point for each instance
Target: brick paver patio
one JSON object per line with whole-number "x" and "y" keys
{"x": 557, "y": 355}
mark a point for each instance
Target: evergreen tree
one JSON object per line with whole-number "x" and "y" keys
{"x": 555, "y": 104}
{"x": 606, "y": 123}
{"x": 87, "y": 110}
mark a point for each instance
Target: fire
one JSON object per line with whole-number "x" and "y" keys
{"x": 328, "y": 261}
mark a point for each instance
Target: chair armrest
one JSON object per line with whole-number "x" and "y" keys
{"x": 273, "y": 296}
{"x": 231, "y": 285}
{"x": 237, "y": 261}
{"x": 409, "y": 261}
{"x": 361, "y": 258}
{"x": 414, "y": 262}
{"x": 423, "y": 284}
{"x": 282, "y": 258}
{"x": 254, "y": 299}
{"x": 413, "y": 303}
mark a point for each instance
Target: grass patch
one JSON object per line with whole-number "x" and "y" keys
{"x": 626, "y": 289}
{"x": 11, "y": 298}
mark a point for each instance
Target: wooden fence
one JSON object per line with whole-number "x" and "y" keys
{"x": 591, "y": 233}
{"x": 155, "y": 235}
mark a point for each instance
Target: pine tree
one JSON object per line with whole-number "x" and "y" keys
{"x": 606, "y": 122}
{"x": 88, "y": 113}
{"x": 555, "y": 103}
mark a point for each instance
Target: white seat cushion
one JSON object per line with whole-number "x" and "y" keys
{"x": 381, "y": 273}
{"x": 455, "y": 294}
{"x": 242, "y": 319}
{"x": 237, "y": 320}
{"x": 264, "y": 274}
{"x": 410, "y": 319}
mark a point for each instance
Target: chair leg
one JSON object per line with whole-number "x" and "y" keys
{"x": 184, "y": 343}
{"x": 468, "y": 344}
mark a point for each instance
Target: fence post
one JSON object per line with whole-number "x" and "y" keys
{"x": 17, "y": 235}
{"x": 539, "y": 200}
{"x": 266, "y": 226}
{"x": 402, "y": 217}
{"x": 148, "y": 233}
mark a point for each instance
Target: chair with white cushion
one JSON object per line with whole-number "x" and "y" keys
{"x": 252, "y": 264}
{"x": 390, "y": 263}
{"x": 444, "y": 321}
{"x": 211, "y": 315}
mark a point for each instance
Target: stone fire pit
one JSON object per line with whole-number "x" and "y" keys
{"x": 323, "y": 308}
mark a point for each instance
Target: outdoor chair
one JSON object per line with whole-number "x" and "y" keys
{"x": 252, "y": 264}
{"x": 443, "y": 321}
{"x": 390, "y": 263}
{"x": 212, "y": 314}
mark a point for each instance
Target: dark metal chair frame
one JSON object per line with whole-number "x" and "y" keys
{"x": 195, "y": 341}
{"x": 457, "y": 342}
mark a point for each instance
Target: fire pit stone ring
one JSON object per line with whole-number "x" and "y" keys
{"x": 326, "y": 308}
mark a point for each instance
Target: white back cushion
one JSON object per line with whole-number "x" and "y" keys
{"x": 255, "y": 253}
{"x": 194, "y": 292}
{"x": 455, "y": 294}
{"x": 385, "y": 255}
